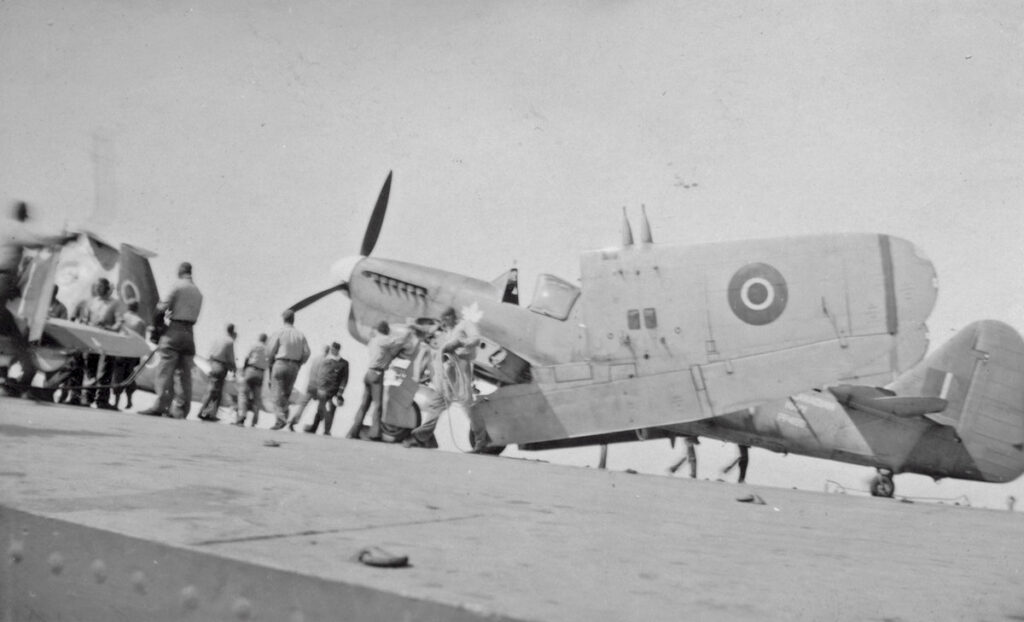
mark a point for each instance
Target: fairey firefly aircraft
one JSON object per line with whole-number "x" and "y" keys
{"x": 74, "y": 268}
{"x": 658, "y": 335}
{"x": 959, "y": 413}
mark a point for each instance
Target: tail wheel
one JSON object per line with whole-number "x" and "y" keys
{"x": 882, "y": 485}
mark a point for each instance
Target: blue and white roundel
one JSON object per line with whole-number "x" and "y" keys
{"x": 758, "y": 294}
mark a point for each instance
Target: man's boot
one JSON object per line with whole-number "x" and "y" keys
{"x": 311, "y": 428}
{"x": 328, "y": 422}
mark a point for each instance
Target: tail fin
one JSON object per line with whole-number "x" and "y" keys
{"x": 980, "y": 372}
{"x": 135, "y": 281}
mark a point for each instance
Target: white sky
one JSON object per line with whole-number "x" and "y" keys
{"x": 251, "y": 138}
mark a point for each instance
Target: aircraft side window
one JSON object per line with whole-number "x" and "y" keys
{"x": 650, "y": 318}
{"x": 553, "y": 297}
{"x": 633, "y": 319}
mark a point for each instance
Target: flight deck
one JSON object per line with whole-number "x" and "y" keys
{"x": 117, "y": 516}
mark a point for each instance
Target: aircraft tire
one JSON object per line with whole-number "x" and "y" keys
{"x": 398, "y": 433}
{"x": 882, "y": 486}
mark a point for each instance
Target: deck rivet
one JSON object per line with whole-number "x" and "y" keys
{"x": 16, "y": 551}
{"x": 242, "y": 609}
{"x": 138, "y": 580}
{"x": 99, "y": 571}
{"x": 56, "y": 562}
{"x": 190, "y": 597}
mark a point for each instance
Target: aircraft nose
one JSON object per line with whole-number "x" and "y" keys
{"x": 343, "y": 269}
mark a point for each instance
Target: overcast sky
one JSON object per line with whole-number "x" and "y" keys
{"x": 251, "y": 138}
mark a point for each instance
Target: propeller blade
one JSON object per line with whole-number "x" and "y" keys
{"x": 376, "y": 219}
{"x": 305, "y": 302}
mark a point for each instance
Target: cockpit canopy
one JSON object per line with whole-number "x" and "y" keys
{"x": 553, "y": 297}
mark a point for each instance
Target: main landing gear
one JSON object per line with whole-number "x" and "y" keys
{"x": 882, "y": 484}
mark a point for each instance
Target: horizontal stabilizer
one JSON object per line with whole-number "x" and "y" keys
{"x": 77, "y": 336}
{"x": 882, "y": 401}
{"x": 906, "y": 406}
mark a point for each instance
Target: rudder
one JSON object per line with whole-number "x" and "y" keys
{"x": 980, "y": 372}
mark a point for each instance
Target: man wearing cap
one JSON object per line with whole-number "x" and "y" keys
{"x": 331, "y": 380}
{"x": 177, "y": 345}
{"x": 251, "y": 392}
{"x": 449, "y": 380}
{"x": 287, "y": 351}
{"x": 102, "y": 311}
{"x": 222, "y": 361}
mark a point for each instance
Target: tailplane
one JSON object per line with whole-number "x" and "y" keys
{"x": 980, "y": 373}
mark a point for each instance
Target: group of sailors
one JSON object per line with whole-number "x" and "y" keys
{"x": 441, "y": 354}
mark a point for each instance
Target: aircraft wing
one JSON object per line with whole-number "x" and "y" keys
{"x": 76, "y": 336}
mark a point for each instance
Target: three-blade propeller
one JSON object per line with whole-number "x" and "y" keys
{"x": 369, "y": 241}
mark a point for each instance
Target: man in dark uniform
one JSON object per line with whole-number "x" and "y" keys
{"x": 124, "y": 367}
{"x": 332, "y": 378}
{"x": 177, "y": 345}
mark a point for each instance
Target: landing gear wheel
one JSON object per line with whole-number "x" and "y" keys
{"x": 490, "y": 450}
{"x": 882, "y": 484}
{"x": 396, "y": 433}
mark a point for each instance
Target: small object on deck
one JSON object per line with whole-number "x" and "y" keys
{"x": 378, "y": 557}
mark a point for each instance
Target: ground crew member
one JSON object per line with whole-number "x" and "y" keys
{"x": 311, "y": 386}
{"x": 222, "y": 362}
{"x": 381, "y": 350}
{"x": 251, "y": 393}
{"x": 741, "y": 461}
{"x": 177, "y": 345}
{"x": 690, "y": 456}
{"x": 453, "y": 349}
{"x": 131, "y": 324}
{"x": 102, "y": 311}
{"x": 287, "y": 351}
{"x": 332, "y": 378}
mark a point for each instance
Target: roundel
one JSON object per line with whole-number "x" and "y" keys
{"x": 129, "y": 292}
{"x": 758, "y": 294}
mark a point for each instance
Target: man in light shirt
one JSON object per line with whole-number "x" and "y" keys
{"x": 251, "y": 392}
{"x": 102, "y": 311}
{"x": 311, "y": 386}
{"x": 177, "y": 345}
{"x": 287, "y": 351}
{"x": 381, "y": 350}
{"x": 222, "y": 362}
